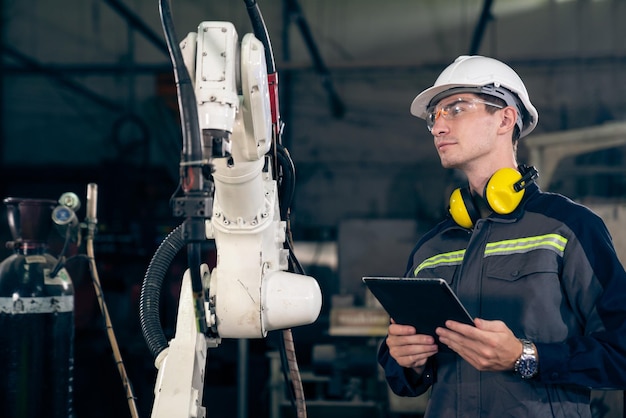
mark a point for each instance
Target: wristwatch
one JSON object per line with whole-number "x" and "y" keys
{"x": 527, "y": 364}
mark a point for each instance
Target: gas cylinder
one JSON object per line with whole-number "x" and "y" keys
{"x": 36, "y": 318}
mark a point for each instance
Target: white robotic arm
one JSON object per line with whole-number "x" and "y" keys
{"x": 250, "y": 291}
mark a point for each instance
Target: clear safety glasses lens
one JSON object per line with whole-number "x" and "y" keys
{"x": 454, "y": 109}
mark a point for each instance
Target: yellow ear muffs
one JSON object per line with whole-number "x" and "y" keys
{"x": 500, "y": 192}
{"x": 503, "y": 193}
{"x": 462, "y": 208}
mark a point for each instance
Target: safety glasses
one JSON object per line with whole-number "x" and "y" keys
{"x": 453, "y": 110}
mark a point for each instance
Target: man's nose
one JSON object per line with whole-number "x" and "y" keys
{"x": 440, "y": 126}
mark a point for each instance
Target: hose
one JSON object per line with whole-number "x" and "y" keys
{"x": 192, "y": 160}
{"x": 288, "y": 350}
{"x": 260, "y": 31}
{"x": 294, "y": 373}
{"x": 287, "y": 184}
{"x": 286, "y": 192}
{"x": 130, "y": 397}
{"x": 151, "y": 290}
{"x": 192, "y": 148}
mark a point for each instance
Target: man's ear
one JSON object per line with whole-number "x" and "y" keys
{"x": 509, "y": 119}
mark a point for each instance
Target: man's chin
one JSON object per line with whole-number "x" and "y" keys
{"x": 447, "y": 164}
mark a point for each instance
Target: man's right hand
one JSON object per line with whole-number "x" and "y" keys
{"x": 408, "y": 348}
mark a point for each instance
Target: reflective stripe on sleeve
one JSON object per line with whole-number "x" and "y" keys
{"x": 445, "y": 259}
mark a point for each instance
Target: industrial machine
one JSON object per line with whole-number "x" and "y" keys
{"x": 236, "y": 183}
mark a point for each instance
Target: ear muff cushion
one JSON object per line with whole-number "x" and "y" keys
{"x": 462, "y": 208}
{"x": 499, "y": 192}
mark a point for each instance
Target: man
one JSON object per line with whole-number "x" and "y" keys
{"x": 537, "y": 271}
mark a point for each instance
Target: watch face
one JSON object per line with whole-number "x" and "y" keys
{"x": 527, "y": 366}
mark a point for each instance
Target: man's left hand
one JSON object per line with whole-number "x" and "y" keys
{"x": 489, "y": 346}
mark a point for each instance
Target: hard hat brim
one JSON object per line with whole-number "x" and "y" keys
{"x": 423, "y": 100}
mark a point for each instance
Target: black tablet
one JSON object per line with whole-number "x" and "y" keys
{"x": 424, "y": 303}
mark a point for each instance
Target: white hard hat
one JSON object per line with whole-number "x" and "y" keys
{"x": 477, "y": 74}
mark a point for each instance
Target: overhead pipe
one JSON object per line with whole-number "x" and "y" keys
{"x": 485, "y": 17}
{"x": 137, "y": 23}
{"x": 60, "y": 78}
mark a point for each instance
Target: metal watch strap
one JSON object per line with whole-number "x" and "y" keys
{"x": 526, "y": 365}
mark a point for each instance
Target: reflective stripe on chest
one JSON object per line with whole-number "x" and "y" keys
{"x": 552, "y": 242}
